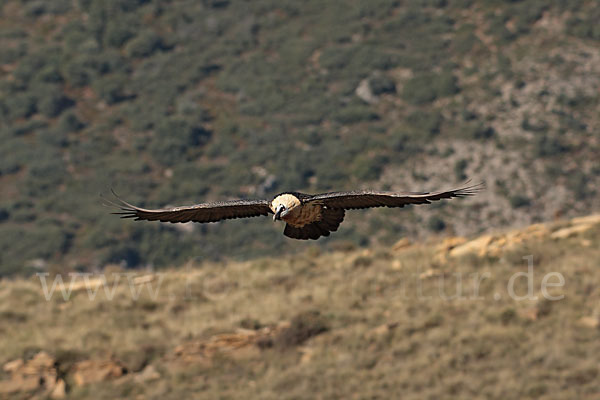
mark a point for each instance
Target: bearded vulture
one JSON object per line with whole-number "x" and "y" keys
{"x": 306, "y": 216}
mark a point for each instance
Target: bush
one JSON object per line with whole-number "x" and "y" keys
{"x": 38, "y": 8}
{"x": 173, "y": 137}
{"x": 426, "y": 122}
{"x": 459, "y": 169}
{"x": 303, "y": 326}
{"x": 426, "y": 87}
{"x": 50, "y": 74}
{"x": 381, "y": 84}
{"x": 548, "y": 146}
{"x": 28, "y": 126}
{"x": 20, "y": 105}
{"x": 52, "y": 102}
{"x": 118, "y": 32}
{"x": 128, "y": 255}
{"x": 53, "y": 137}
{"x": 146, "y": 43}
{"x": 112, "y": 89}
{"x": 436, "y": 224}
{"x": 44, "y": 174}
{"x": 477, "y": 130}
{"x": 30, "y": 65}
{"x": 518, "y": 201}
{"x": 10, "y": 55}
{"x": 11, "y": 159}
{"x": 354, "y": 114}
{"x": 367, "y": 168}
{"x": 585, "y": 27}
{"x": 69, "y": 122}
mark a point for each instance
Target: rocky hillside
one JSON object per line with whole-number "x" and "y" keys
{"x": 177, "y": 102}
{"x": 457, "y": 318}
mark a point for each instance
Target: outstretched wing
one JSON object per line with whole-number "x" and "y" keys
{"x": 206, "y": 212}
{"x": 368, "y": 198}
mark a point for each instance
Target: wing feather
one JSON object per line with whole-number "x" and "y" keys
{"x": 369, "y": 198}
{"x": 205, "y": 212}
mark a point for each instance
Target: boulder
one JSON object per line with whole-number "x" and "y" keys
{"x": 93, "y": 371}
{"x": 571, "y": 231}
{"x": 38, "y": 373}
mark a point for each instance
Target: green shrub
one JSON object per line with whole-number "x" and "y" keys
{"x": 527, "y": 125}
{"x": 336, "y": 57}
{"x": 367, "y": 168}
{"x": 518, "y": 201}
{"x": 173, "y": 137}
{"x": 144, "y": 44}
{"x": 459, "y": 169}
{"x": 79, "y": 71}
{"x": 381, "y": 84}
{"x": 51, "y": 101}
{"x": 585, "y": 27}
{"x": 119, "y": 32}
{"x": 53, "y": 137}
{"x": 10, "y": 55}
{"x": 302, "y": 327}
{"x": 436, "y": 224}
{"x": 27, "y": 126}
{"x": 354, "y": 114}
{"x": 578, "y": 184}
{"x": 446, "y": 84}
{"x": 44, "y": 174}
{"x": 34, "y": 62}
{"x": 548, "y": 146}
{"x": 50, "y": 74}
{"x": 20, "y": 105}
{"x": 128, "y": 255}
{"x": 426, "y": 123}
{"x": 37, "y": 8}
{"x": 4, "y": 214}
{"x": 112, "y": 88}
{"x": 425, "y": 87}
{"x": 477, "y": 130}
{"x": 69, "y": 122}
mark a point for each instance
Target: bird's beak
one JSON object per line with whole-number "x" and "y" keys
{"x": 278, "y": 212}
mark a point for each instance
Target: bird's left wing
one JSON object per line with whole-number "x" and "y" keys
{"x": 206, "y": 212}
{"x": 368, "y": 198}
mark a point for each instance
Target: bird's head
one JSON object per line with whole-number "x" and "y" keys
{"x": 283, "y": 204}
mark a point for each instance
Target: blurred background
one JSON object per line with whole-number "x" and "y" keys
{"x": 180, "y": 102}
{"x": 176, "y": 102}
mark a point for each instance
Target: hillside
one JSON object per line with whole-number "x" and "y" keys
{"x": 424, "y": 320}
{"x": 178, "y": 102}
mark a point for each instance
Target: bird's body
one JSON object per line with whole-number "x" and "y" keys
{"x": 306, "y": 216}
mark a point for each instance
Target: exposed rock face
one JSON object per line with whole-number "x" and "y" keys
{"x": 36, "y": 374}
{"x": 40, "y": 375}
{"x": 147, "y": 374}
{"x": 495, "y": 245}
{"x": 244, "y": 343}
{"x": 364, "y": 92}
{"x": 93, "y": 371}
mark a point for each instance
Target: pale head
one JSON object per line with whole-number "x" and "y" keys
{"x": 283, "y": 204}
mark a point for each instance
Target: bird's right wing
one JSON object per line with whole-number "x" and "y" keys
{"x": 206, "y": 212}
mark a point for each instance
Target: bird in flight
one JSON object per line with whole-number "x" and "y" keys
{"x": 306, "y": 216}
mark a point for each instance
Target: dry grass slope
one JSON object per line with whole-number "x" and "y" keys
{"x": 347, "y": 324}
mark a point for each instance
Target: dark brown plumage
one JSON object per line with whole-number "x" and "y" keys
{"x": 307, "y": 216}
{"x": 206, "y": 212}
